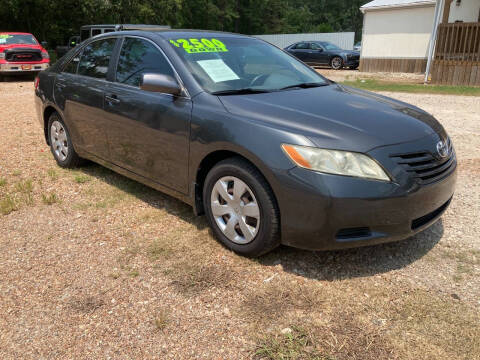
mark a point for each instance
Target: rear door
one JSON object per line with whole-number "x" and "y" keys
{"x": 79, "y": 91}
{"x": 301, "y": 51}
{"x": 148, "y": 132}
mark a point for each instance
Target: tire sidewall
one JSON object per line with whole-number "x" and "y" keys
{"x": 71, "y": 152}
{"x": 257, "y": 246}
{"x": 331, "y": 63}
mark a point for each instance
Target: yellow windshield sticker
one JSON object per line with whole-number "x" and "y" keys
{"x": 199, "y": 45}
{"x": 5, "y": 36}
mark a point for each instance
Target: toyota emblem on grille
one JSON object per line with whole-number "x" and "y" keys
{"x": 442, "y": 149}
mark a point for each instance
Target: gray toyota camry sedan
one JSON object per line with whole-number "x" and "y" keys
{"x": 269, "y": 150}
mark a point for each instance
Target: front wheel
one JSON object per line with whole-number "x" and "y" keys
{"x": 241, "y": 208}
{"x": 336, "y": 63}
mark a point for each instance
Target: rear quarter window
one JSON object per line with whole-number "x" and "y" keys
{"x": 95, "y": 58}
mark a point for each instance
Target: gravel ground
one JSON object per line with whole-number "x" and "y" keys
{"x": 342, "y": 75}
{"x": 95, "y": 266}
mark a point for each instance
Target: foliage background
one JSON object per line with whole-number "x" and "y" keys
{"x": 56, "y": 20}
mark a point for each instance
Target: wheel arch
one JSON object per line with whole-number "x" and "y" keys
{"x": 47, "y": 112}
{"x": 209, "y": 161}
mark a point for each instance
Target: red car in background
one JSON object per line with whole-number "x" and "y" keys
{"x": 21, "y": 53}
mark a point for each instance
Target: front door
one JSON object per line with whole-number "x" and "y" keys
{"x": 148, "y": 132}
{"x": 318, "y": 54}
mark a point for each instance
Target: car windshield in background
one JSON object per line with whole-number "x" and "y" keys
{"x": 230, "y": 65}
{"x": 8, "y": 39}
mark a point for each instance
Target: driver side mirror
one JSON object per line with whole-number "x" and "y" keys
{"x": 320, "y": 50}
{"x": 160, "y": 83}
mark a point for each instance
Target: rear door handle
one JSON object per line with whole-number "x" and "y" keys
{"x": 60, "y": 85}
{"x": 113, "y": 99}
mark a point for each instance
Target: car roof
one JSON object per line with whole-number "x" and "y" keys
{"x": 168, "y": 34}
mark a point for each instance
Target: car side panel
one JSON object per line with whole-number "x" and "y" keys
{"x": 81, "y": 100}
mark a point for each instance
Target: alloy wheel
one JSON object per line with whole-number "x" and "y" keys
{"x": 336, "y": 63}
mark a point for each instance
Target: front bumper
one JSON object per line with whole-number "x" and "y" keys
{"x": 327, "y": 212}
{"x": 351, "y": 62}
{"x": 21, "y": 68}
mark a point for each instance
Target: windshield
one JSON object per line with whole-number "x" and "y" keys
{"x": 329, "y": 46}
{"x": 8, "y": 39}
{"x": 230, "y": 64}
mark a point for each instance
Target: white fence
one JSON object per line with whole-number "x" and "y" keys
{"x": 343, "y": 40}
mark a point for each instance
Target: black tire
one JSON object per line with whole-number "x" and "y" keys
{"x": 268, "y": 235}
{"x": 72, "y": 159}
{"x": 334, "y": 61}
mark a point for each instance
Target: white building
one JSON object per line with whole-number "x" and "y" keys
{"x": 396, "y": 33}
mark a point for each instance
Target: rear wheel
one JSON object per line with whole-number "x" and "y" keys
{"x": 336, "y": 63}
{"x": 61, "y": 143}
{"x": 241, "y": 208}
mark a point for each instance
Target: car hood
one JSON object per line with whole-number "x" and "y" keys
{"x": 20, "y": 46}
{"x": 337, "y": 116}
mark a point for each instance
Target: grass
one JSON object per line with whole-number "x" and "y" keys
{"x": 376, "y": 85}
{"x": 25, "y": 188}
{"x": 49, "y": 199}
{"x": 3, "y": 181}
{"x": 82, "y": 179}
{"x": 294, "y": 344}
{"x": 52, "y": 173}
{"x": 7, "y": 205}
{"x": 161, "y": 319}
{"x": 191, "y": 279}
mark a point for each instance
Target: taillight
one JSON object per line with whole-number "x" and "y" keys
{"x": 36, "y": 82}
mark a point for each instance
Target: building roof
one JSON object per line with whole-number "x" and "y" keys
{"x": 388, "y": 4}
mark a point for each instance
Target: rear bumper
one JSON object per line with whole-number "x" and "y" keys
{"x": 21, "y": 68}
{"x": 327, "y": 212}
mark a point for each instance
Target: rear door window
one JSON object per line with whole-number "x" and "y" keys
{"x": 96, "y": 58}
{"x": 72, "y": 65}
{"x": 139, "y": 57}
{"x": 302, "y": 46}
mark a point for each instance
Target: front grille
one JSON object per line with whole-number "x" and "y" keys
{"x": 429, "y": 217}
{"x": 425, "y": 167}
{"x": 24, "y": 56}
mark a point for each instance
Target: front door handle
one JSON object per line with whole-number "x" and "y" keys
{"x": 113, "y": 99}
{"x": 60, "y": 85}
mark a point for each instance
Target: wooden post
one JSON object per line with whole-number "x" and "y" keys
{"x": 446, "y": 11}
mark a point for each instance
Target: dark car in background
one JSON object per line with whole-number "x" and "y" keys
{"x": 323, "y": 53}
{"x": 272, "y": 152}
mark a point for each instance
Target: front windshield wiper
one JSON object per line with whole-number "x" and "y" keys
{"x": 240, "y": 91}
{"x": 305, "y": 85}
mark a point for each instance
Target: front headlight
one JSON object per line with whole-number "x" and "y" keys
{"x": 335, "y": 162}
